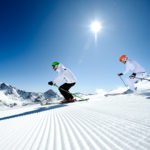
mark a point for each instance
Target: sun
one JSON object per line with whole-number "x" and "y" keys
{"x": 96, "y": 27}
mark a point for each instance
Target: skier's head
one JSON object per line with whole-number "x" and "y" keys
{"x": 123, "y": 59}
{"x": 55, "y": 65}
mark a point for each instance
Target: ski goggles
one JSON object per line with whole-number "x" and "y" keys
{"x": 123, "y": 59}
{"x": 55, "y": 67}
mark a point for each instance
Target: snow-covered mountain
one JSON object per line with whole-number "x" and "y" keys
{"x": 11, "y": 96}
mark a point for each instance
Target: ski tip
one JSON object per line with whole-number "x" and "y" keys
{"x": 86, "y": 99}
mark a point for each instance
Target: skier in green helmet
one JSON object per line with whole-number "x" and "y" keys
{"x": 55, "y": 65}
{"x": 64, "y": 74}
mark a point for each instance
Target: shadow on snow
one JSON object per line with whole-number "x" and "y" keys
{"x": 33, "y": 111}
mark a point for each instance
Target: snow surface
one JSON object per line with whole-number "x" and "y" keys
{"x": 103, "y": 123}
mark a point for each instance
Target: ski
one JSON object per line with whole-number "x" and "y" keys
{"x": 54, "y": 103}
{"x": 116, "y": 94}
{"x": 80, "y": 100}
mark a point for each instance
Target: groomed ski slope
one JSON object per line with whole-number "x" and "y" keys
{"x": 102, "y": 123}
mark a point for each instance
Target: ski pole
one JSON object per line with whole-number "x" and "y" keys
{"x": 123, "y": 82}
{"x": 70, "y": 93}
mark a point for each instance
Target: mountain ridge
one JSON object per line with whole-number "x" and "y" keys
{"x": 11, "y": 96}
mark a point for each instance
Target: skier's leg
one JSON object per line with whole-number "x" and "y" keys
{"x": 131, "y": 82}
{"x": 69, "y": 97}
{"x": 64, "y": 89}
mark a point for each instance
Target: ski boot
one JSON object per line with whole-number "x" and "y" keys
{"x": 70, "y": 100}
{"x": 129, "y": 91}
{"x": 63, "y": 101}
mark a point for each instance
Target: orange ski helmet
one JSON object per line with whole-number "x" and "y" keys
{"x": 123, "y": 58}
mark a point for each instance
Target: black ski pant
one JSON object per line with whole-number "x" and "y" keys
{"x": 64, "y": 89}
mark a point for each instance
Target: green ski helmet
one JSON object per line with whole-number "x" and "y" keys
{"x": 55, "y": 63}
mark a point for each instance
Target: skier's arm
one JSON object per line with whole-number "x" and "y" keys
{"x": 126, "y": 71}
{"x": 129, "y": 66}
{"x": 58, "y": 79}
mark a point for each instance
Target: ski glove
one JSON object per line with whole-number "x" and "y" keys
{"x": 120, "y": 74}
{"x": 50, "y": 83}
{"x": 132, "y": 76}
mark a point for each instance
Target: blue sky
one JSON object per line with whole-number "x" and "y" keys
{"x": 34, "y": 33}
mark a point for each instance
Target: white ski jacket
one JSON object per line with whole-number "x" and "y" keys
{"x": 132, "y": 65}
{"x": 64, "y": 74}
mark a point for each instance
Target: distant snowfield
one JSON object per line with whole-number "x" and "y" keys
{"x": 102, "y": 123}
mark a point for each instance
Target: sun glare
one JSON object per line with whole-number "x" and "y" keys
{"x": 96, "y": 27}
